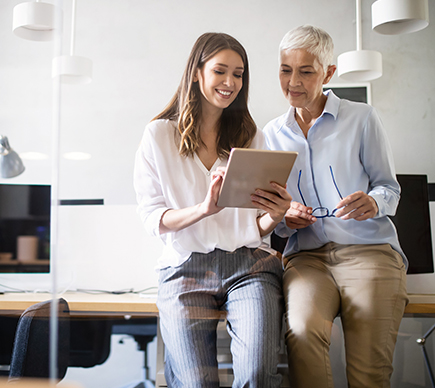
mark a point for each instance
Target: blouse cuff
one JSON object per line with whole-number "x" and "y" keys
{"x": 154, "y": 220}
{"x": 379, "y": 198}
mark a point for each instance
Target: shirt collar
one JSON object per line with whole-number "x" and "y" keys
{"x": 331, "y": 107}
{"x": 332, "y": 104}
{"x": 289, "y": 118}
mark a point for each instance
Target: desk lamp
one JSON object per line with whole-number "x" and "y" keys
{"x": 11, "y": 164}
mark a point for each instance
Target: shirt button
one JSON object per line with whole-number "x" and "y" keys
{"x": 208, "y": 173}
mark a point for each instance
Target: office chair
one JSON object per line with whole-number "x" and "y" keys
{"x": 143, "y": 330}
{"x": 30, "y": 355}
{"x": 90, "y": 341}
{"x": 8, "y": 325}
{"x": 422, "y": 343}
{"x": 278, "y": 243}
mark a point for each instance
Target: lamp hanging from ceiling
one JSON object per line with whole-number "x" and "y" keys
{"x": 71, "y": 68}
{"x": 392, "y": 17}
{"x": 359, "y": 65}
{"x": 34, "y": 21}
{"x": 11, "y": 164}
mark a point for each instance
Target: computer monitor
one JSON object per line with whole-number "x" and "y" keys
{"x": 359, "y": 92}
{"x": 412, "y": 221}
{"x": 24, "y": 211}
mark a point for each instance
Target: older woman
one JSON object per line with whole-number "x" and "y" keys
{"x": 343, "y": 256}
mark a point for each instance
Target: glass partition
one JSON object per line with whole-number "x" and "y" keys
{"x": 78, "y": 141}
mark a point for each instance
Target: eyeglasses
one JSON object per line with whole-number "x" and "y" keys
{"x": 321, "y": 211}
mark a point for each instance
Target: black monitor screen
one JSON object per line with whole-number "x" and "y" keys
{"x": 352, "y": 93}
{"x": 412, "y": 221}
{"x": 24, "y": 211}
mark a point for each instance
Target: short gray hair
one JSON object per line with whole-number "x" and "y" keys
{"x": 313, "y": 39}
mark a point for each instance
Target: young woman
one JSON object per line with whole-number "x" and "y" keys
{"x": 214, "y": 259}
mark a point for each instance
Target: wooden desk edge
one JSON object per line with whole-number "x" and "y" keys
{"x": 420, "y": 308}
{"x": 135, "y": 305}
{"x": 420, "y": 304}
{"x": 84, "y": 304}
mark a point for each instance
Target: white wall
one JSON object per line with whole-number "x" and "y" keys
{"x": 139, "y": 49}
{"x": 105, "y": 248}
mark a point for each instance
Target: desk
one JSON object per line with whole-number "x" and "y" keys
{"x": 32, "y": 383}
{"x": 126, "y": 305}
{"x": 84, "y": 304}
{"x": 420, "y": 304}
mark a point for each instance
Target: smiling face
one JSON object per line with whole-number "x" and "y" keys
{"x": 302, "y": 77}
{"x": 220, "y": 80}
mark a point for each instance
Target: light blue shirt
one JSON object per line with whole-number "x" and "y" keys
{"x": 348, "y": 137}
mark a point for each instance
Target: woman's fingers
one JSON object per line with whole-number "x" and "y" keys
{"x": 276, "y": 204}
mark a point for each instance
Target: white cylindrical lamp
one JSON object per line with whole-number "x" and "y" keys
{"x": 34, "y": 21}
{"x": 360, "y": 65}
{"x": 72, "y": 69}
{"x": 392, "y": 17}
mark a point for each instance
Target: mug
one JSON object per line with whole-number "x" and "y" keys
{"x": 27, "y": 248}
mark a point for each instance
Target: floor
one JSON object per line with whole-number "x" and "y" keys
{"x": 123, "y": 368}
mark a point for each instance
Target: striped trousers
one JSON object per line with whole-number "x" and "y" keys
{"x": 244, "y": 284}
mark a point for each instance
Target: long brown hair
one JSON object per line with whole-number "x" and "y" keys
{"x": 237, "y": 128}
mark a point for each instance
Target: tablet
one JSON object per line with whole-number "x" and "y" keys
{"x": 249, "y": 169}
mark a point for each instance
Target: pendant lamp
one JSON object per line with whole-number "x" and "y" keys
{"x": 34, "y": 21}
{"x": 11, "y": 164}
{"x": 359, "y": 65}
{"x": 392, "y": 17}
{"x": 71, "y": 68}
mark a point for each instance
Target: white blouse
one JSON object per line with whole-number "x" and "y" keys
{"x": 163, "y": 179}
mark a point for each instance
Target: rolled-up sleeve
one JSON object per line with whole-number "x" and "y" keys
{"x": 147, "y": 185}
{"x": 377, "y": 158}
{"x": 282, "y": 230}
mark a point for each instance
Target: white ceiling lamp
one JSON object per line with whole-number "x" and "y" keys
{"x": 33, "y": 155}
{"x": 359, "y": 65}
{"x": 71, "y": 68}
{"x": 77, "y": 155}
{"x": 392, "y": 17}
{"x": 34, "y": 21}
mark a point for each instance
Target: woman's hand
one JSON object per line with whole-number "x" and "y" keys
{"x": 174, "y": 220}
{"x": 299, "y": 216}
{"x": 209, "y": 206}
{"x": 274, "y": 204}
{"x": 359, "y": 206}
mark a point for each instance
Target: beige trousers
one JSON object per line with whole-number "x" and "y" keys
{"x": 366, "y": 286}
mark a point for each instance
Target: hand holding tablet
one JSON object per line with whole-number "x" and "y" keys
{"x": 250, "y": 169}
